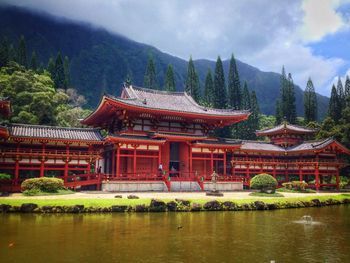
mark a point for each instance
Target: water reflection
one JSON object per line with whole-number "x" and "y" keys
{"x": 259, "y": 236}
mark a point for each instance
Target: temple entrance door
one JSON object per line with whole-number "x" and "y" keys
{"x": 174, "y": 163}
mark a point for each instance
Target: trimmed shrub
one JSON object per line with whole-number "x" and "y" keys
{"x": 5, "y": 176}
{"x": 43, "y": 184}
{"x": 263, "y": 182}
{"x": 295, "y": 185}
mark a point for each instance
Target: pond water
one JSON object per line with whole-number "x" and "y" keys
{"x": 257, "y": 236}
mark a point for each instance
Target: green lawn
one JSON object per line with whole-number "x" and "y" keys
{"x": 99, "y": 202}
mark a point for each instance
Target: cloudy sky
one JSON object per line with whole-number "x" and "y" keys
{"x": 309, "y": 37}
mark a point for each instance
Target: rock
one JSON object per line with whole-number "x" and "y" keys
{"x": 47, "y": 209}
{"x": 118, "y": 208}
{"x": 105, "y": 209}
{"x": 245, "y": 207}
{"x": 316, "y": 202}
{"x": 28, "y": 207}
{"x": 76, "y": 209}
{"x": 172, "y": 205}
{"x": 4, "y": 208}
{"x": 272, "y": 206}
{"x": 141, "y": 208}
{"x": 196, "y": 207}
{"x": 4, "y": 194}
{"x": 118, "y": 196}
{"x": 346, "y": 201}
{"x": 212, "y": 206}
{"x": 157, "y": 206}
{"x": 133, "y": 197}
{"x": 183, "y": 202}
{"x": 260, "y": 205}
{"x": 230, "y": 206}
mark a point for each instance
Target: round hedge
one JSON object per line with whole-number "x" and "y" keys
{"x": 43, "y": 184}
{"x": 263, "y": 182}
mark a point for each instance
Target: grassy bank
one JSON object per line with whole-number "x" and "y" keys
{"x": 146, "y": 204}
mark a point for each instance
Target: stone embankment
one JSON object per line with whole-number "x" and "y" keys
{"x": 178, "y": 205}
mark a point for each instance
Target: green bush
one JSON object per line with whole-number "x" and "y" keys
{"x": 32, "y": 192}
{"x": 263, "y": 182}
{"x": 43, "y": 184}
{"x": 299, "y": 186}
{"x": 343, "y": 181}
{"x": 5, "y": 176}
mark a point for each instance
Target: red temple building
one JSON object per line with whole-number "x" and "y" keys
{"x": 162, "y": 141}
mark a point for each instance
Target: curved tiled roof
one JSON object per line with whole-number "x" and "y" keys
{"x": 286, "y": 127}
{"x": 54, "y": 132}
{"x": 173, "y": 101}
{"x": 262, "y": 146}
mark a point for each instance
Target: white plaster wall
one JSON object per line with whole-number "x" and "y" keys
{"x": 184, "y": 186}
{"x": 224, "y": 186}
{"x": 134, "y": 187}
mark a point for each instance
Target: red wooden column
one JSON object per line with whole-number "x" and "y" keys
{"x": 211, "y": 161}
{"x": 317, "y": 174}
{"x": 88, "y": 168}
{"x": 337, "y": 179}
{"x": 300, "y": 174}
{"x": 16, "y": 170}
{"x": 17, "y": 164}
{"x": 134, "y": 159}
{"x": 224, "y": 162}
{"x": 232, "y": 165}
{"x": 117, "y": 161}
{"x": 190, "y": 149}
{"x": 112, "y": 168}
{"x": 66, "y": 161}
{"x": 274, "y": 171}
{"x": 42, "y": 161}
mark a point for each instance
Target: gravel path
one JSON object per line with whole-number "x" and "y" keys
{"x": 162, "y": 195}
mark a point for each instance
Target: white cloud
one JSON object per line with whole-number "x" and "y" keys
{"x": 320, "y": 19}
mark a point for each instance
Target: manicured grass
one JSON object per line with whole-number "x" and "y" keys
{"x": 265, "y": 194}
{"x": 285, "y": 190}
{"x": 59, "y": 192}
{"x": 99, "y": 202}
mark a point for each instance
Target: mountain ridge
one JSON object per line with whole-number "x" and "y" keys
{"x": 101, "y": 60}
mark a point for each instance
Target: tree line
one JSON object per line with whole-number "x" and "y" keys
{"x": 39, "y": 95}
{"x": 216, "y": 93}
{"x": 57, "y": 66}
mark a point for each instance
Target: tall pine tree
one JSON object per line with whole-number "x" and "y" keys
{"x": 66, "y": 73}
{"x": 192, "y": 81}
{"x": 254, "y": 117}
{"x": 59, "y": 72}
{"x": 150, "y": 79}
{"x": 245, "y": 97}
{"x": 347, "y": 87}
{"x": 170, "y": 79}
{"x": 234, "y": 86}
{"x": 34, "y": 61}
{"x": 279, "y": 112}
{"x": 334, "y": 108}
{"x": 51, "y": 67}
{"x": 209, "y": 89}
{"x": 220, "y": 94}
{"x": 291, "y": 113}
{"x": 4, "y": 52}
{"x": 340, "y": 92}
{"x": 310, "y": 102}
{"x": 22, "y": 52}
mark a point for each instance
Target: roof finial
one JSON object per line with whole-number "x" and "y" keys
{"x": 285, "y": 122}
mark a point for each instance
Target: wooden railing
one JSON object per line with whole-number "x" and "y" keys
{"x": 48, "y": 153}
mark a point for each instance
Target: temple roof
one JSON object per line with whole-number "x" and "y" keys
{"x": 176, "y": 101}
{"x": 54, "y": 132}
{"x": 261, "y": 146}
{"x": 318, "y": 145}
{"x": 174, "y": 105}
{"x": 284, "y": 128}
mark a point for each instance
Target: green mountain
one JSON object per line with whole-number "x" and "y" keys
{"x": 100, "y": 60}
